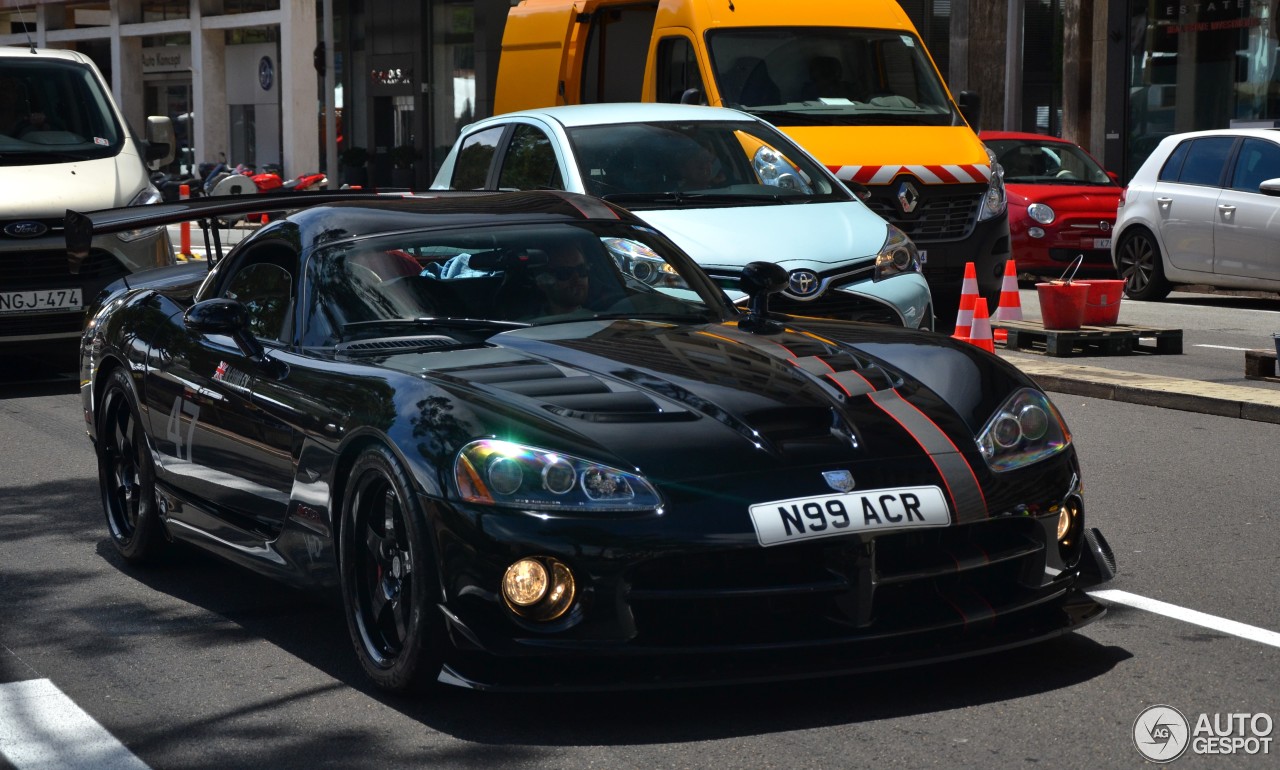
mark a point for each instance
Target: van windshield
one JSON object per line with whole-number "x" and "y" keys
{"x": 798, "y": 76}
{"x": 52, "y": 111}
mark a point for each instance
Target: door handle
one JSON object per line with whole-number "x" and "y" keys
{"x": 1227, "y": 210}
{"x": 1164, "y": 202}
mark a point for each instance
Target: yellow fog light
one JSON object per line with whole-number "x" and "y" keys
{"x": 525, "y": 583}
{"x": 540, "y": 588}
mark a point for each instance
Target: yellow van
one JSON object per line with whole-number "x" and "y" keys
{"x": 850, "y": 81}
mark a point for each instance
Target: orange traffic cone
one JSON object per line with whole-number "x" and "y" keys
{"x": 1010, "y": 307}
{"x": 968, "y": 293}
{"x": 981, "y": 335}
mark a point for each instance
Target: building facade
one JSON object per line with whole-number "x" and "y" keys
{"x": 246, "y": 80}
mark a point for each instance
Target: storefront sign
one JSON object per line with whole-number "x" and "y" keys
{"x": 170, "y": 58}
{"x": 394, "y": 76}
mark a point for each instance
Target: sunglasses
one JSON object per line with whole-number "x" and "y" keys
{"x": 566, "y": 272}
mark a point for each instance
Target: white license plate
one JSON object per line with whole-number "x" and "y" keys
{"x": 43, "y": 299}
{"x": 1102, "y": 243}
{"x": 807, "y": 518}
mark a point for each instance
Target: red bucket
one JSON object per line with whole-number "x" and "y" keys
{"x": 1102, "y": 306}
{"x": 1062, "y": 304}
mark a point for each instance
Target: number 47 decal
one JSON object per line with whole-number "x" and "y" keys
{"x": 173, "y": 429}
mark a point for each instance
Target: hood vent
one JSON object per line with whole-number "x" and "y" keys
{"x": 397, "y": 344}
{"x": 573, "y": 394}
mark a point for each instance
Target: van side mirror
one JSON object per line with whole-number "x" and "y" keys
{"x": 692, "y": 96}
{"x": 161, "y": 146}
{"x": 1270, "y": 187}
{"x": 971, "y": 108}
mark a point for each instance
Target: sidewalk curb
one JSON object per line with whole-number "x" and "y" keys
{"x": 1222, "y": 400}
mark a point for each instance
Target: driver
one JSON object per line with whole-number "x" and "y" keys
{"x": 563, "y": 281}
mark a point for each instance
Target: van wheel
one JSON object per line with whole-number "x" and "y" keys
{"x": 1142, "y": 267}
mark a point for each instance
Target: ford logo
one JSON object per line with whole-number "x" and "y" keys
{"x": 804, "y": 283}
{"x": 25, "y": 229}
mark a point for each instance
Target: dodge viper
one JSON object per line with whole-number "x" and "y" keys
{"x": 532, "y": 445}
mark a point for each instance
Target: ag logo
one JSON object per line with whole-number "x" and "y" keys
{"x": 840, "y": 481}
{"x": 1161, "y": 733}
{"x": 803, "y": 283}
{"x": 908, "y": 197}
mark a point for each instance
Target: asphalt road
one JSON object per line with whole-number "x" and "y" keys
{"x": 201, "y": 665}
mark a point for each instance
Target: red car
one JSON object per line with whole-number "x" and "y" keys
{"x": 1062, "y": 203}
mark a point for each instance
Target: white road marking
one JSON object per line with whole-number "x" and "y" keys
{"x": 43, "y": 729}
{"x": 1242, "y": 630}
{"x": 1221, "y": 347}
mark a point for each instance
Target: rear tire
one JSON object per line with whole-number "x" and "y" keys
{"x": 126, "y": 475}
{"x": 389, "y": 588}
{"x": 1142, "y": 267}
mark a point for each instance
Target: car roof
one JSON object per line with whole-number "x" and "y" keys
{"x": 26, "y": 53}
{"x": 573, "y": 115}
{"x": 1262, "y": 133}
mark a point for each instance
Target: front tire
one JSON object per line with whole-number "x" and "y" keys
{"x": 388, "y": 578}
{"x": 127, "y": 476}
{"x": 1142, "y": 267}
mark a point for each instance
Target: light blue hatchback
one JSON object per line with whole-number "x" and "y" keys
{"x": 725, "y": 186}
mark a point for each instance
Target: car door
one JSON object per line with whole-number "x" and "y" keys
{"x": 1246, "y": 230}
{"x": 1187, "y": 208}
{"x": 210, "y": 434}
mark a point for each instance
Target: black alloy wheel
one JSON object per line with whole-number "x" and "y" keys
{"x": 1141, "y": 267}
{"x": 126, "y": 474}
{"x": 388, "y": 579}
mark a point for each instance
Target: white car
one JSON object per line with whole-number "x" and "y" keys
{"x": 1203, "y": 209}
{"x": 727, "y": 187}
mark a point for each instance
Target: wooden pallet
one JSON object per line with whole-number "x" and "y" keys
{"x": 1118, "y": 340}
{"x": 1260, "y": 365}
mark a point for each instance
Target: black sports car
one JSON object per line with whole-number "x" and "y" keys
{"x": 535, "y": 446}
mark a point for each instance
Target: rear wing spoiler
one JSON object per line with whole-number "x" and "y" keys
{"x": 80, "y": 228}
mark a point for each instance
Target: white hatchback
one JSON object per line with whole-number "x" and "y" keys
{"x": 1203, "y": 209}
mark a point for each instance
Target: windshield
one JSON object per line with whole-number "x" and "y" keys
{"x": 796, "y": 76}
{"x": 1042, "y": 162}
{"x": 501, "y": 277}
{"x": 710, "y": 162}
{"x": 52, "y": 111}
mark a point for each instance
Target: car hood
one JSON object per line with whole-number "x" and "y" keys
{"x": 1064, "y": 198}
{"x": 814, "y": 235}
{"x": 702, "y": 401}
{"x": 47, "y": 190}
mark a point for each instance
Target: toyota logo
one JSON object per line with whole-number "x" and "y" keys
{"x": 25, "y": 229}
{"x": 908, "y": 197}
{"x": 804, "y": 283}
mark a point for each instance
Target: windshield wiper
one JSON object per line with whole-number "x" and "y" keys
{"x": 40, "y": 154}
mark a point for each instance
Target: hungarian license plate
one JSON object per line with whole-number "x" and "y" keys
{"x": 41, "y": 299}
{"x": 1102, "y": 243}
{"x": 808, "y": 518}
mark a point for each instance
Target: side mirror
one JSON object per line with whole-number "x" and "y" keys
{"x": 971, "y": 108}
{"x": 161, "y": 146}
{"x": 692, "y": 96}
{"x": 758, "y": 281}
{"x": 227, "y": 317}
{"x": 1113, "y": 176}
{"x": 1270, "y": 187}
{"x": 859, "y": 190}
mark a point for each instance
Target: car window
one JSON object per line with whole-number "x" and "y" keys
{"x": 1172, "y": 167}
{"x": 266, "y": 291}
{"x": 1259, "y": 160}
{"x": 1206, "y": 160}
{"x": 471, "y": 170}
{"x": 677, "y": 70}
{"x": 530, "y": 162}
